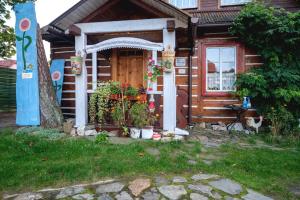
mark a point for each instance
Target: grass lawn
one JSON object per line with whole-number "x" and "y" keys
{"x": 30, "y": 162}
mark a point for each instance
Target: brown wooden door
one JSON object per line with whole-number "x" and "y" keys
{"x": 129, "y": 67}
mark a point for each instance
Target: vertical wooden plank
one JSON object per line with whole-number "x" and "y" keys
{"x": 169, "y": 116}
{"x": 114, "y": 64}
{"x": 81, "y": 108}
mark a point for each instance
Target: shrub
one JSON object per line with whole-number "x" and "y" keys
{"x": 139, "y": 115}
{"x": 274, "y": 86}
{"x": 102, "y": 138}
{"x": 99, "y": 103}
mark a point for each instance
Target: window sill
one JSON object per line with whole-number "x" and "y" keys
{"x": 217, "y": 94}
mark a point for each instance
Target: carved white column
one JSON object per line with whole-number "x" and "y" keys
{"x": 95, "y": 71}
{"x": 81, "y": 107}
{"x": 169, "y": 95}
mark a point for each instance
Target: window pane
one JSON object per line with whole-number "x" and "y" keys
{"x": 228, "y": 76}
{"x": 234, "y": 2}
{"x": 184, "y": 3}
{"x": 213, "y": 76}
{"x": 228, "y": 54}
{"x": 213, "y": 54}
{"x": 221, "y": 68}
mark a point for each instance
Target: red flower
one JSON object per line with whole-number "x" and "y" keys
{"x": 25, "y": 24}
{"x": 56, "y": 76}
{"x": 150, "y": 74}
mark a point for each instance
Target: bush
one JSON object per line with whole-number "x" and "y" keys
{"x": 274, "y": 86}
{"x": 102, "y": 138}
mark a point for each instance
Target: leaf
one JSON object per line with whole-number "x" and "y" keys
{"x": 29, "y": 42}
{"x": 18, "y": 38}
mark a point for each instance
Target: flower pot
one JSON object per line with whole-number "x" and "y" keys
{"x": 147, "y": 133}
{"x": 76, "y": 64}
{"x": 168, "y": 57}
{"x": 135, "y": 133}
{"x": 168, "y": 70}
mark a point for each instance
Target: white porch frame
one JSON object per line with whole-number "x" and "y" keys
{"x": 169, "y": 40}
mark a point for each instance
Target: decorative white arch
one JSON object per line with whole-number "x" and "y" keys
{"x": 125, "y": 42}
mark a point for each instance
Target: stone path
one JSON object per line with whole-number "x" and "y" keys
{"x": 196, "y": 187}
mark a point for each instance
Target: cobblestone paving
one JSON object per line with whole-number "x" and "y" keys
{"x": 195, "y": 187}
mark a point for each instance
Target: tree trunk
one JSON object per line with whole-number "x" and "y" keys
{"x": 51, "y": 114}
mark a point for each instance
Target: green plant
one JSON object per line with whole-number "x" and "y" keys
{"x": 274, "y": 86}
{"x": 167, "y": 64}
{"x": 99, "y": 103}
{"x": 139, "y": 115}
{"x": 131, "y": 91}
{"x": 117, "y": 114}
{"x": 102, "y": 138}
{"x": 153, "y": 71}
{"x": 115, "y": 88}
{"x": 282, "y": 121}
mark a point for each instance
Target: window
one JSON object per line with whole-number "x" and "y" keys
{"x": 221, "y": 68}
{"x": 234, "y": 2}
{"x": 184, "y": 3}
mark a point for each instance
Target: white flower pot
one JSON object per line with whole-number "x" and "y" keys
{"x": 135, "y": 133}
{"x": 147, "y": 133}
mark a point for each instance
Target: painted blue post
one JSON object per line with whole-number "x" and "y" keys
{"x": 27, "y": 87}
{"x": 57, "y": 75}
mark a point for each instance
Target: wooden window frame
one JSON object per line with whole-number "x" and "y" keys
{"x": 240, "y": 66}
{"x": 234, "y": 4}
{"x": 196, "y": 6}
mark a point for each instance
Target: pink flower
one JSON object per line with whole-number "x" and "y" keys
{"x": 25, "y": 24}
{"x": 150, "y": 74}
{"x": 56, "y": 76}
{"x": 150, "y": 89}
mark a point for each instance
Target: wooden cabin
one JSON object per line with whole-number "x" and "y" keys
{"x": 118, "y": 37}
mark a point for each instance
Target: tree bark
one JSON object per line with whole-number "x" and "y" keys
{"x": 51, "y": 114}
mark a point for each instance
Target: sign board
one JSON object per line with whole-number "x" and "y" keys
{"x": 180, "y": 62}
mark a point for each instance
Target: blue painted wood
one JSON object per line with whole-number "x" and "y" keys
{"x": 57, "y": 75}
{"x": 27, "y": 87}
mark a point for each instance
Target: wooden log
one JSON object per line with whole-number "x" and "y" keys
{"x": 51, "y": 114}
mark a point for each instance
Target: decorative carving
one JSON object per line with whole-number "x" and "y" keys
{"x": 125, "y": 42}
{"x": 168, "y": 57}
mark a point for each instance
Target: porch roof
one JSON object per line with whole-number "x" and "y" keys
{"x": 215, "y": 17}
{"x": 85, "y": 7}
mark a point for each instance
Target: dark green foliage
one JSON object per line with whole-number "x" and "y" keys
{"x": 275, "y": 86}
{"x": 7, "y": 35}
{"x": 7, "y": 89}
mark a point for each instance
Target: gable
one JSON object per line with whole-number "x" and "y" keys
{"x": 85, "y": 8}
{"x": 117, "y": 10}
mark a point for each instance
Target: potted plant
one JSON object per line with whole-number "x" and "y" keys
{"x": 115, "y": 89}
{"x": 138, "y": 115}
{"x": 168, "y": 58}
{"x": 147, "y": 130}
{"x": 142, "y": 121}
{"x": 131, "y": 93}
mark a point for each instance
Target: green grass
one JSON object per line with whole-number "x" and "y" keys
{"x": 31, "y": 162}
{"x": 268, "y": 171}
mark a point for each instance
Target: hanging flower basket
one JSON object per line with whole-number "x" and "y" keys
{"x": 168, "y": 59}
{"x": 76, "y": 64}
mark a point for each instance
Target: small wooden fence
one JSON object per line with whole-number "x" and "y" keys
{"x": 7, "y": 90}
